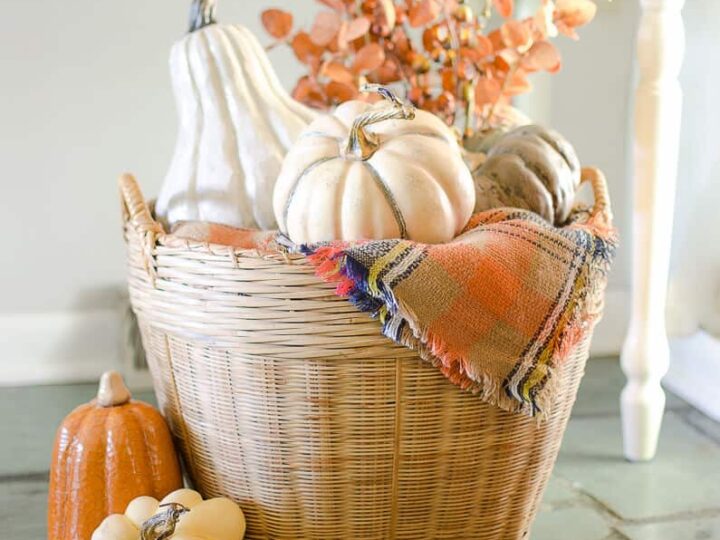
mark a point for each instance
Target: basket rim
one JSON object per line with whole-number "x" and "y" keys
{"x": 137, "y": 212}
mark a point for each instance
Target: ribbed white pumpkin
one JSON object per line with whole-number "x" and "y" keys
{"x": 236, "y": 125}
{"x": 374, "y": 172}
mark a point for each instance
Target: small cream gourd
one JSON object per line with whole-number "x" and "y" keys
{"x": 374, "y": 171}
{"x": 182, "y": 515}
{"x": 236, "y": 125}
{"x": 530, "y": 167}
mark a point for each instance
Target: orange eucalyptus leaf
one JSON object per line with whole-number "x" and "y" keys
{"x": 314, "y": 64}
{"x": 469, "y": 54}
{"x": 449, "y": 81}
{"x": 428, "y": 39}
{"x": 495, "y": 38}
{"x": 517, "y": 35}
{"x": 487, "y": 91}
{"x": 518, "y": 84}
{"x": 445, "y": 104}
{"x": 340, "y": 92}
{"x": 335, "y": 71}
{"x": 484, "y": 45}
{"x": 416, "y": 96}
{"x": 386, "y": 74}
{"x": 277, "y": 22}
{"x": 399, "y": 42}
{"x": 504, "y": 7}
{"x": 305, "y": 50}
{"x": 431, "y": 105}
{"x": 309, "y": 92}
{"x": 357, "y": 28}
{"x": 424, "y": 12}
{"x": 543, "y": 55}
{"x": 325, "y": 27}
{"x": 370, "y": 57}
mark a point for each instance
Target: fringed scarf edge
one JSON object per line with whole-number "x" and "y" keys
{"x": 333, "y": 264}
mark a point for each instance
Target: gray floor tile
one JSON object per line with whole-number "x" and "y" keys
{"x": 599, "y": 393}
{"x": 30, "y": 417}
{"x": 579, "y": 523}
{"x": 556, "y": 494}
{"x": 702, "y": 423}
{"x": 684, "y": 477}
{"x": 23, "y": 510}
{"x": 693, "y": 529}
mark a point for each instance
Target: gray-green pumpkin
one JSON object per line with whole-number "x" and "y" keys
{"x": 530, "y": 167}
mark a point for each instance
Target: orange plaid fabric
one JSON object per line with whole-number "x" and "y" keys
{"x": 496, "y": 309}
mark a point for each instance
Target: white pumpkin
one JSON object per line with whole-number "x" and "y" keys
{"x": 374, "y": 172}
{"x": 213, "y": 519}
{"x": 236, "y": 125}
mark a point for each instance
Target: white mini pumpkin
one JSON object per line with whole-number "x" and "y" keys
{"x": 374, "y": 172}
{"x": 213, "y": 519}
{"x": 236, "y": 125}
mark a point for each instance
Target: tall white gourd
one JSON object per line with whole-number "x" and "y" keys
{"x": 236, "y": 123}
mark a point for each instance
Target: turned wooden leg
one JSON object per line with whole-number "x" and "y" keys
{"x": 658, "y": 99}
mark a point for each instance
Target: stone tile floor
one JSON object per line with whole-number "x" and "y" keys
{"x": 594, "y": 493}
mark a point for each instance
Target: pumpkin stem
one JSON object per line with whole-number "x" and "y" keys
{"x": 112, "y": 390}
{"x": 162, "y": 525}
{"x": 202, "y": 13}
{"x": 362, "y": 144}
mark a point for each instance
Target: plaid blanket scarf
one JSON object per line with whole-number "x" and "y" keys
{"x": 496, "y": 310}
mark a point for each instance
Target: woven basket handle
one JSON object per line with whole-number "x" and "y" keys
{"x": 137, "y": 214}
{"x": 601, "y": 207}
{"x": 134, "y": 208}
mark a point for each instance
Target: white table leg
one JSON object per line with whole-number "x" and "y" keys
{"x": 645, "y": 354}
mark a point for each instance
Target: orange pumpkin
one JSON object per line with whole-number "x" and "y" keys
{"x": 107, "y": 452}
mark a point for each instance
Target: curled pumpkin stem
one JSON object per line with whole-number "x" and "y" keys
{"x": 363, "y": 144}
{"x": 162, "y": 526}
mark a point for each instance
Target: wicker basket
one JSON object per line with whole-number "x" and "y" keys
{"x": 288, "y": 400}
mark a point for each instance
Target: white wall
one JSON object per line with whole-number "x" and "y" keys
{"x": 85, "y": 96}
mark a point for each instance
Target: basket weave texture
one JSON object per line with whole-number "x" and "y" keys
{"x": 285, "y": 398}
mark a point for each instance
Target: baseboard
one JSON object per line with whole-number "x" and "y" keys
{"x": 610, "y": 331}
{"x": 60, "y": 347}
{"x": 695, "y": 372}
